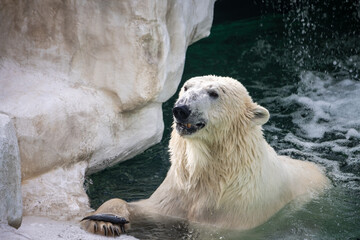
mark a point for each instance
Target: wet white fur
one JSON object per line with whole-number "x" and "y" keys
{"x": 225, "y": 174}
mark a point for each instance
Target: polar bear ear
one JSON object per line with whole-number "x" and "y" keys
{"x": 260, "y": 115}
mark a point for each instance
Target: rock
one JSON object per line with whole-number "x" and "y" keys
{"x": 7, "y": 232}
{"x": 41, "y": 228}
{"x": 84, "y": 81}
{"x": 60, "y": 125}
{"x": 10, "y": 182}
{"x": 52, "y": 192}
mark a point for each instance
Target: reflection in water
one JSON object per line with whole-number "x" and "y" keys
{"x": 302, "y": 62}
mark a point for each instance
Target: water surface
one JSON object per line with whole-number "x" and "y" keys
{"x": 303, "y": 65}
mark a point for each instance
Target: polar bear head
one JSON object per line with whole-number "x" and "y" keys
{"x": 209, "y": 105}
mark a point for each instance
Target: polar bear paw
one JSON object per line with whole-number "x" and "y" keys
{"x": 110, "y": 219}
{"x": 105, "y": 224}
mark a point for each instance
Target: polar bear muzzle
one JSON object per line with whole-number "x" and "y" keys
{"x": 186, "y": 123}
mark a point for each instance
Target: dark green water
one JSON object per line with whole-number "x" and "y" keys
{"x": 304, "y": 67}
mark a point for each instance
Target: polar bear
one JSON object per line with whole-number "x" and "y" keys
{"x": 223, "y": 172}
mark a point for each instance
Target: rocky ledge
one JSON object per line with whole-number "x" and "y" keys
{"x": 82, "y": 84}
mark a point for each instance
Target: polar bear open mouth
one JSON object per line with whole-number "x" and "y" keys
{"x": 189, "y": 128}
{"x": 187, "y": 120}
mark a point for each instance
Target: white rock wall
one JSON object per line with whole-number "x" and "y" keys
{"x": 56, "y": 191}
{"x": 95, "y": 70}
{"x": 84, "y": 81}
{"x": 10, "y": 182}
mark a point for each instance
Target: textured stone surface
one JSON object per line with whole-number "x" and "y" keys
{"x": 10, "y": 182}
{"x": 84, "y": 81}
{"x": 7, "y": 232}
{"x": 41, "y": 228}
{"x": 52, "y": 192}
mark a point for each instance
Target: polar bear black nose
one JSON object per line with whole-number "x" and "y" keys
{"x": 181, "y": 112}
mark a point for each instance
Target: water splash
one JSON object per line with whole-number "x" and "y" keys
{"x": 327, "y": 120}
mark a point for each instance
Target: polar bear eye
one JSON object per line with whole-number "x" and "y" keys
{"x": 213, "y": 94}
{"x": 185, "y": 88}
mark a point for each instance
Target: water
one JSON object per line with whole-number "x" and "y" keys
{"x": 301, "y": 62}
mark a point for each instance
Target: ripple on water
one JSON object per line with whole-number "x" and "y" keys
{"x": 327, "y": 124}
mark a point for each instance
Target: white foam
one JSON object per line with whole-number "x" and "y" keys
{"x": 352, "y": 133}
{"x": 327, "y": 106}
{"x": 327, "y": 113}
